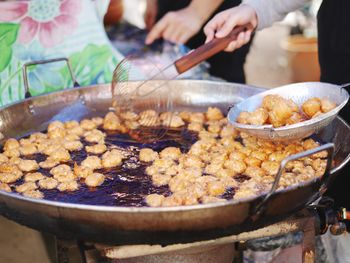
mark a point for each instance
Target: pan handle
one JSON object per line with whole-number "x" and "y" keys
{"x": 46, "y": 61}
{"x": 329, "y": 147}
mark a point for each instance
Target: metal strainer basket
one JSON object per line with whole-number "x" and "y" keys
{"x": 299, "y": 93}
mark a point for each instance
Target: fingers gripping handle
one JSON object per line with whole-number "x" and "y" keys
{"x": 209, "y": 49}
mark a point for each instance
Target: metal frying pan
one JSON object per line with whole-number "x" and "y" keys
{"x": 164, "y": 225}
{"x": 299, "y": 93}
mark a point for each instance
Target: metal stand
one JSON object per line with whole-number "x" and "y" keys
{"x": 305, "y": 221}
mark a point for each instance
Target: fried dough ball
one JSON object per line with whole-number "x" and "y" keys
{"x": 9, "y": 178}
{"x": 236, "y": 166}
{"x": 5, "y": 187}
{"x": 228, "y": 131}
{"x": 243, "y": 117}
{"x": 148, "y": 155}
{"x": 33, "y": 177}
{"x": 311, "y": 106}
{"x": 79, "y": 131}
{"x": 252, "y": 161}
{"x": 48, "y": 163}
{"x": 50, "y": 148}
{"x": 190, "y": 173}
{"x": 98, "y": 121}
{"x": 295, "y": 118}
{"x": 214, "y": 114}
{"x": 237, "y": 155}
{"x": 227, "y": 180}
{"x": 172, "y": 170}
{"x": 69, "y": 186}
{"x": 61, "y": 169}
{"x": 270, "y": 167}
{"x": 24, "y": 142}
{"x": 11, "y": 144}
{"x": 154, "y": 200}
{"x": 277, "y": 156}
{"x": 58, "y": 133}
{"x": 72, "y": 145}
{"x": 81, "y": 171}
{"x": 95, "y": 179}
{"x": 55, "y": 125}
{"x": 259, "y": 155}
{"x": 254, "y": 172}
{"x": 3, "y": 158}
{"x": 191, "y": 161}
{"x": 216, "y": 188}
{"x": 33, "y": 194}
{"x": 280, "y": 113}
{"x": 258, "y": 117}
{"x": 149, "y": 118}
{"x": 28, "y": 186}
{"x": 309, "y": 144}
{"x": 12, "y": 153}
{"x": 197, "y": 117}
{"x": 71, "y": 124}
{"x": 129, "y": 115}
{"x": 92, "y": 162}
{"x": 112, "y": 158}
{"x": 214, "y": 128}
{"x": 327, "y": 105}
{"x": 95, "y": 136}
{"x": 175, "y": 122}
{"x": 160, "y": 179}
{"x": 48, "y": 183}
{"x": 132, "y": 125}
{"x": 37, "y": 137}
{"x": 28, "y": 149}
{"x": 195, "y": 126}
{"x": 113, "y": 123}
{"x": 172, "y": 153}
{"x": 185, "y": 115}
{"x": 242, "y": 193}
{"x": 163, "y": 164}
{"x": 96, "y": 149}
{"x": 177, "y": 183}
{"x": 60, "y": 155}
{"x": 88, "y": 125}
{"x": 269, "y": 101}
{"x": 213, "y": 168}
{"x": 28, "y": 165}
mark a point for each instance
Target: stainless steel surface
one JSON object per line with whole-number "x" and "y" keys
{"x": 134, "y": 225}
{"x": 299, "y": 93}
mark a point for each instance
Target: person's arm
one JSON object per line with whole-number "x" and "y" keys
{"x": 179, "y": 26}
{"x": 259, "y": 13}
{"x": 270, "y": 11}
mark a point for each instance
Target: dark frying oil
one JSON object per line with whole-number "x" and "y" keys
{"x": 126, "y": 185}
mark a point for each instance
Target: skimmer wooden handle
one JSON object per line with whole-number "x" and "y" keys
{"x": 208, "y": 50}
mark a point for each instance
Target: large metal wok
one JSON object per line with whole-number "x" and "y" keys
{"x": 124, "y": 225}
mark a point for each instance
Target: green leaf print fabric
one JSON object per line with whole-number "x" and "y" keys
{"x": 44, "y": 29}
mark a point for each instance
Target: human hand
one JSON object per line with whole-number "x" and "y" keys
{"x": 224, "y": 22}
{"x": 150, "y": 13}
{"x": 177, "y": 26}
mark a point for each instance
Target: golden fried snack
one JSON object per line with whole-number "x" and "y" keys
{"x": 98, "y": 121}
{"x": 295, "y": 118}
{"x": 3, "y": 158}
{"x": 72, "y": 145}
{"x": 327, "y": 105}
{"x": 71, "y": 124}
{"x": 96, "y": 149}
{"x": 12, "y": 153}
{"x": 33, "y": 194}
{"x": 112, "y": 158}
{"x": 311, "y": 107}
{"x": 5, "y": 187}
{"x": 214, "y": 114}
{"x": 154, "y": 200}
{"x": 113, "y": 123}
{"x": 94, "y": 179}
{"x": 92, "y": 162}
{"x": 195, "y": 126}
{"x": 28, "y": 149}
{"x": 258, "y": 117}
{"x": 60, "y": 155}
{"x": 11, "y": 144}
{"x": 160, "y": 179}
{"x": 149, "y": 118}
{"x": 243, "y": 117}
{"x": 216, "y": 188}
{"x": 28, "y": 186}
{"x": 172, "y": 153}
{"x": 28, "y": 165}
{"x": 148, "y": 155}
{"x": 88, "y": 125}
{"x": 236, "y": 166}
{"x": 68, "y": 186}
{"x": 211, "y": 199}
{"x": 81, "y": 171}
{"x": 48, "y": 183}
{"x": 197, "y": 117}
{"x": 33, "y": 177}
{"x": 95, "y": 136}
{"x": 48, "y": 163}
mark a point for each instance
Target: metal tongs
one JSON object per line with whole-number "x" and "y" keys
{"x": 299, "y": 93}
